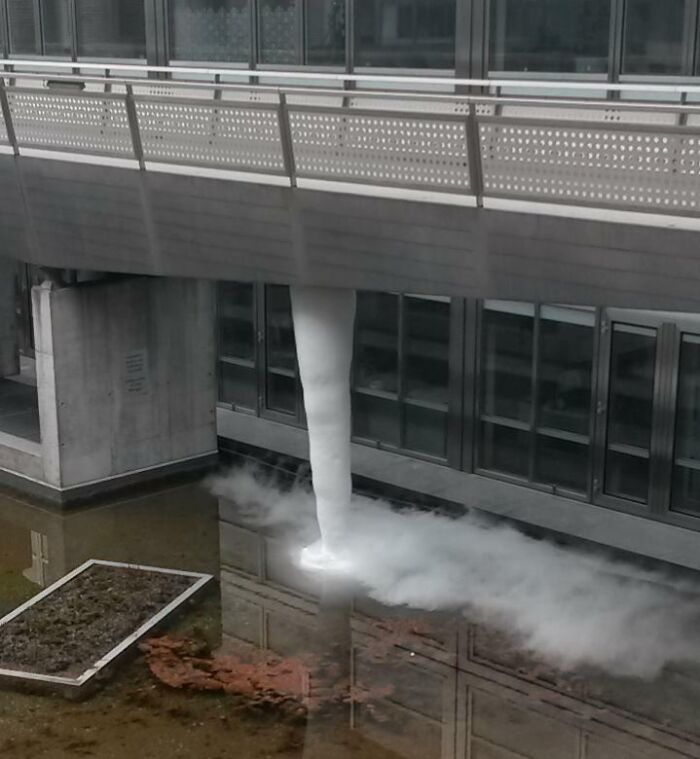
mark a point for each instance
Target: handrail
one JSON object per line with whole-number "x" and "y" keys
{"x": 342, "y": 78}
{"x": 376, "y": 94}
{"x": 484, "y": 146}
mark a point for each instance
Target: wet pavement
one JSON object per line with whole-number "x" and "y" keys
{"x": 373, "y": 682}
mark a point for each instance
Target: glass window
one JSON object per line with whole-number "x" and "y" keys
{"x": 282, "y": 374}
{"x": 325, "y": 32}
{"x": 401, "y": 393}
{"x": 685, "y": 490}
{"x": 210, "y": 30}
{"x": 405, "y": 33}
{"x": 653, "y": 37}
{"x": 280, "y": 31}
{"x": 536, "y": 392}
{"x": 111, "y": 28}
{"x": 25, "y": 38}
{"x": 630, "y": 401}
{"x": 550, "y": 35}
{"x": 237, "y": 354}
{"x": 56, "y": 24}
{"x": 565, "y": 385}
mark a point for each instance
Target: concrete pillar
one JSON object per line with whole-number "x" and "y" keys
{"x": 9, "y": 352}
{"x": 126, "y": 379}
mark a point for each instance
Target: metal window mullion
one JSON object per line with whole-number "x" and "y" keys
{"x": 401, "y": 368}
{"x": 478, "y": 382}
{"x": 534, "y": 392}
{"x": 616, "y": 43}
{"x": 594, "y": 419}
{"x": 38, "y": 27}
{"x": 4, "y": 30}
{"x": 260, "y": 343}
{"x": 463, "y": 30}
{"x": 469, "y": 369}
{"x": 692, "y": 32}
{"x": 301, "y": 30}
{"x": 601, "y": 404}
{"x": 73, "y": 13}
{"x": 663, "y": 418}
{"x": 254, "y": 54}
{"x": 349, "y": 38}
{"x": 455, "y": 383}
{"x": 689, "y": 36}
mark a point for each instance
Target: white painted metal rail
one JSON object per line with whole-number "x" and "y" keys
{"x": 395, "y": 133}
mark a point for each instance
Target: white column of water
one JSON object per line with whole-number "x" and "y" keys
{"x": 323, "y": 326}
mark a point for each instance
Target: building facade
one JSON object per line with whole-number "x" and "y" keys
{"x": 525, "y": 252}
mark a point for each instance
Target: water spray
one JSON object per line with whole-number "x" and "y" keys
{"x": 324, "y": 328}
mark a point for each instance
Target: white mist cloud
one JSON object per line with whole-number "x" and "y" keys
{"x": 571, "y": 606}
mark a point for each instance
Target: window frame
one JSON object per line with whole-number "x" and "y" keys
{"x": 455, "y": 397}
{"x": 688, "y": 43}
{"x": 222, "y": 358}
{"x": 670, "y": 330}
{"x": 530, "y": 427}
{"x": 151, "y": 22}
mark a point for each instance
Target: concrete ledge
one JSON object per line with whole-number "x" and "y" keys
{"x": 607, "y": 527}
{"x": 74, "y": 494}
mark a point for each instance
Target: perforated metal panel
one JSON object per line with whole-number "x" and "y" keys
{"x": 602, "y": 114}
{"x": 387, "y": 150}
{"x": 593, "y": 165}
{"x": 60, "y": 121}
{"x": 242, "y": 138}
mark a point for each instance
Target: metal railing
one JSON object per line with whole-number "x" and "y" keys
{"x": 608, "y": 153}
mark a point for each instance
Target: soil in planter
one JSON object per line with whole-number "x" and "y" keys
{"x": 67, "y": 632}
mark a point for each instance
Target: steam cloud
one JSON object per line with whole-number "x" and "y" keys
{"x": 571, "y": 606}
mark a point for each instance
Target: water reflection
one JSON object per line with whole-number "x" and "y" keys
{"x": 382, "y": 682}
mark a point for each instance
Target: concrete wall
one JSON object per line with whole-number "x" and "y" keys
{"x": 9, "y": 354}
{"x": 113, "y": 219}
{"x": 126, "y": 376}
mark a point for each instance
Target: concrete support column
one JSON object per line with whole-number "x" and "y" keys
{"x": 9, "y": 351}
{"x": 126, "y": 379}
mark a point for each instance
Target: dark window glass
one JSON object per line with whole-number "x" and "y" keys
{"x": 325, "y": 32}
{"x": 280, "y": 31}
{"x": 111, "y": 28}
{"x": 210, "y": 30}
{"x": 550, "y": 35}
{"x": 238, "y": 385}
{"x": 565, "y": 383}
{"x": 405, "y": 33}
{"x": 237, "y": 320}
{"x": 632, "y": 363}
{"x": 540, "y": 418}
{"x": 506, "y": 356}
{"x": 505, "y": 449}
{"x": 237, "y": 355}
{"x": 401, "y": 396}
{"x": 685, "y": 493}
{"x": 376, "y": 418}
{"x": 25, "y": 36}
{"x": 281, "y": 351}
{"x": 653, "y": 41}
{"x": 377, "y": 342}
{"x": 426, "y": 374}
{"x": 425, "y": 430}
{"x": 56, "y": 21}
